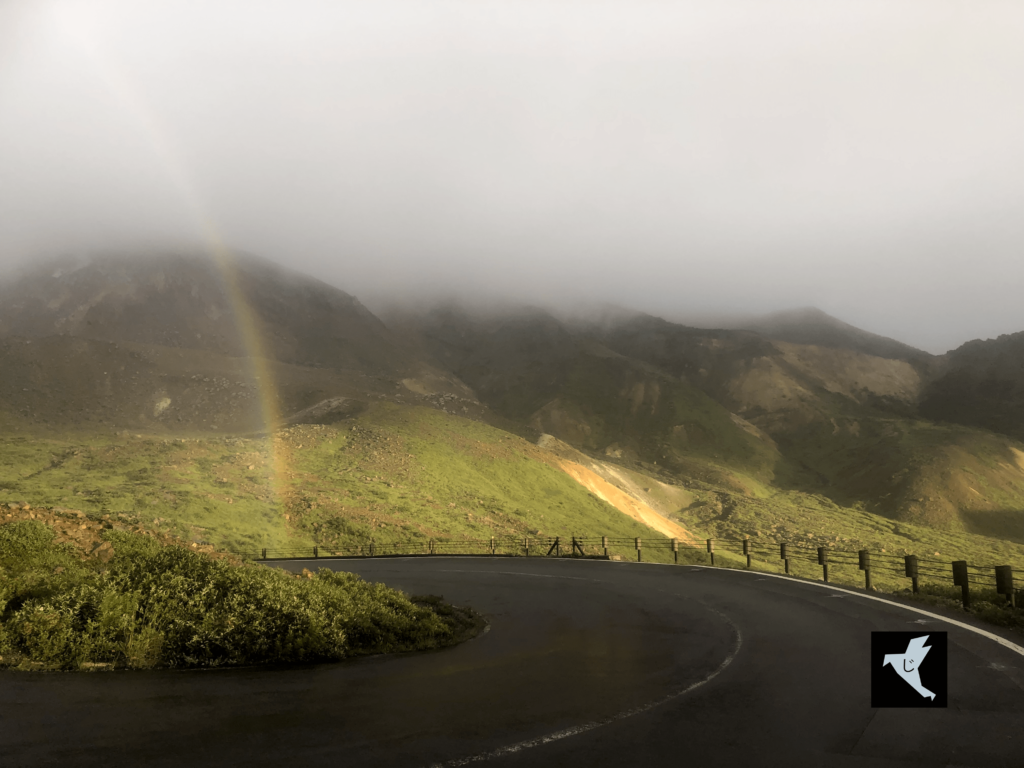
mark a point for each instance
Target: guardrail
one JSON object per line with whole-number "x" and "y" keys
{"x": 1000, "y": 578}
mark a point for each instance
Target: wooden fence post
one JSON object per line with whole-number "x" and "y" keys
{"x": 746, "y": 551}
{"x": 784, "y": 554}
{"x": 638, "y": 558}
{"x": 577, "y": 545}
{"x": 910, "y": 568}
{"x": 372, "y": 547}
{"x": 675, "y": 550}
{"x": 960, "y": 580}
{"x": 1004, "y": 583}
{"x": 864, "y": 558}
{"x": 711, "y": 550}
{"x": 823, "y": 562}
{"x": 316, "y": 552}
{"x": 264, "y": 553}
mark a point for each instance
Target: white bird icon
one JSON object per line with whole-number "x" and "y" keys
{"x": 907, "y": 664}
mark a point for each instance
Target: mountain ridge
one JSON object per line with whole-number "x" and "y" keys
{"x": 154, "y": 345}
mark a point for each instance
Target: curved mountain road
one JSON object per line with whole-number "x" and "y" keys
{"x": 585, "y": 663}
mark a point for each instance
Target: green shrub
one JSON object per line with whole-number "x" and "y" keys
{"x": 169, "y": 606}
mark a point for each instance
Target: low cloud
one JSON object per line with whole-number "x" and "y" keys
{"x": 687, "y": 159}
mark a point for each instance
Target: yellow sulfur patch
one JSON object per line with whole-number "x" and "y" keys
{"x": 1019, "y": 456}
{"x": 623, "y": 501}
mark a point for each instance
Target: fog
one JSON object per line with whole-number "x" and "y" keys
{"x": 689, "y": 159}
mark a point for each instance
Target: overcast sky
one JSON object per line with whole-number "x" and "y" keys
{"x": 682, "y": 158}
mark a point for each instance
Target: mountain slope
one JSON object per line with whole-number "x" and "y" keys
{"x": 811, "y": 326}
{"x": 174, "y": 342}
{"x": 189, "y": 302}
{"x": 730, "y": 416}
{"x": 778, "y": 383}
{"x": 981, "y": 384}
{"x": 530, "y": 368}
{"x": 845, "y": 423}
{"x": 390, "y": 474}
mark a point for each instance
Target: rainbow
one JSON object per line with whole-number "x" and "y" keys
{"x": 223, "y": 259}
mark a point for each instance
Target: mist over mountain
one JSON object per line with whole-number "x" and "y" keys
{"x": 167, "y": 340}
{"x": 806, "y": 402}
{"x": 810, "y": 325}
{"x": 187, "y": 301}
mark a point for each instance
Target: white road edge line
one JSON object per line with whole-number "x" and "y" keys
{"x": 1001, "y": 640}
{"x": 530, "y": 575}
{"x": 576, "y": 730}
{"x": 762, "y": 574}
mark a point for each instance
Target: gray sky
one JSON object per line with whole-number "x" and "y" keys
{"x": 681, "y": 157}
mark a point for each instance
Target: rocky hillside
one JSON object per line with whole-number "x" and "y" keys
{"x": 178, "y": 342}
{"x": 736, "y": 409}
{"x": 537, "y": 371}
{"x": 981, "y": 384}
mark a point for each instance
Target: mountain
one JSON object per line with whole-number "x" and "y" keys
{"x": 980, "y": 384}
{"x": 811, "y": 326}
{"x": 777, "y": 384}
{"x": 180, "y": 341}
{"x": 807, "y": 413}
{"x": 535, "y": 370}
{"x": 195, "y": 302}
{"x": 188, "y": 353}
{"x": 846, "y": 424}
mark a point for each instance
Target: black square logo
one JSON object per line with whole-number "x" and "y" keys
{"x": 908, "y": 669}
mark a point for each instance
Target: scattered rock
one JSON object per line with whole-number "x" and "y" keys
{"x": 104, "y": 551}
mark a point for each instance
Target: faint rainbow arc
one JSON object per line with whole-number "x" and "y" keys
{"x": 246, "y": 323}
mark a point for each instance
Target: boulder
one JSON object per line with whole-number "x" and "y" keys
{"x": 104, "y": 551}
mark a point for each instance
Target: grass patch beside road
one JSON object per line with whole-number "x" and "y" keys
{"x": 152, "y": 605}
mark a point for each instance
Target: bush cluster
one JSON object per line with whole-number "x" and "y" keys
{"x": 154, "y": 605}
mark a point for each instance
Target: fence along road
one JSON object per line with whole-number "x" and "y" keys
{"x": 587, "y": 663}
{"x": 1003, "y": 582}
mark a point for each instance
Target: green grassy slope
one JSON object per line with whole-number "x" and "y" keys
{"x": 202, "y": 489}
{"x": 395, "y": 472}
{"x": 615, "y": 406}
{"x": 813, "y": 520}
{"x": 943, "y": 476}
{"x": 399, "y": 473}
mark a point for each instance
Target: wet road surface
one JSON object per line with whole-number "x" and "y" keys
{"x": 585, "y": 663}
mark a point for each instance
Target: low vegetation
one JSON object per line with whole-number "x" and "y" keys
{"x": 393, "y": 474}
{"x": 397, "y": 474}
{"x": 152, "y": 605}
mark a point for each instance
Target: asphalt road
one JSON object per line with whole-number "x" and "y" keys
{"x": 586, "y": 663}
